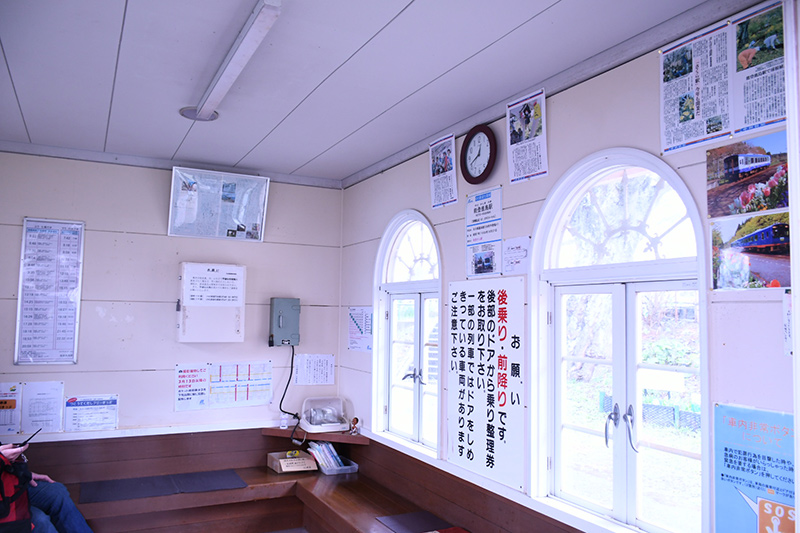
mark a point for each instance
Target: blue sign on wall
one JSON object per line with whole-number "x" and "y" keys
{"x": 753, "y": 470}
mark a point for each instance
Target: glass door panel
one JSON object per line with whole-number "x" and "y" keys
{"x": 666, "y": 385}
{"x": 402, "y": 358}
{"x": 429, "y": 371}
{"x": 587, "y": 339}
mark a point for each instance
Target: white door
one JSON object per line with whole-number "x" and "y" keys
{"x": 627, "y": 402}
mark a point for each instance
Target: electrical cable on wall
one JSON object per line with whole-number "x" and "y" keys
{"x": 296, "y": 416}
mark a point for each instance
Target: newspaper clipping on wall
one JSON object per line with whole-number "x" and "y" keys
{"x": 724, "y": 80}
{"x": 444, "y": 189}
{"x": 527, "y": 138}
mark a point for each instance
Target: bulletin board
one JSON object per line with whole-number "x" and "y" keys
{"x": 485, "y": 378}
{"x": 217, "y": 205}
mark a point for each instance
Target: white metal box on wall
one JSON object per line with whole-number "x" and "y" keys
{"x": 211, "y": 305}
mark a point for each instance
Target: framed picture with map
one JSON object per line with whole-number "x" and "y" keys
{"x": 217, "y": 205}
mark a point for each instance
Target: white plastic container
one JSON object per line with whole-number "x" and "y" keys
{"x": 323, "y": 415}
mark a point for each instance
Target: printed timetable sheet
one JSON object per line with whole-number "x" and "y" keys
{"x": 49, "y": 292}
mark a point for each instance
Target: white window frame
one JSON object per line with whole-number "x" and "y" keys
{"x": 561, "y": 200}
{"x": 382, "y": 296}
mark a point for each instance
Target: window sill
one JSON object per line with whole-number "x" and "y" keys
{"x": 560, "y": 510}
{"x": 416, "y": 450}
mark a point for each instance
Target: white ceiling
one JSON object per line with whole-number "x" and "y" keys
{"x": 338, "y": 90}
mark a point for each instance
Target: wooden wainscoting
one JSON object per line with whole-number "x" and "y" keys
{"x": 449, "y": 497}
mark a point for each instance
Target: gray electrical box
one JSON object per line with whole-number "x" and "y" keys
{"x": 284, "y": 321}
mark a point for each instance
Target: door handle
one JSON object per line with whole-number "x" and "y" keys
{"x": 414, "y": 376}
{"x": 628, "y": 418}
{"x": 613, "y": 416}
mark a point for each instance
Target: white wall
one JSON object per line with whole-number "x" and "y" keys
{"x": 127, "y": 339}
{"x": 617, "y": 109}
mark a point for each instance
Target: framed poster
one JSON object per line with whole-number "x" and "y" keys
{"x": 49, "y": 302}
{"x": 217, "y": 205}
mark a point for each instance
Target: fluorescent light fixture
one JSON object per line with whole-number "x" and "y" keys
{"x": 253, "y": 32}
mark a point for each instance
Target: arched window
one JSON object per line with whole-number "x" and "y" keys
{"x": 617, "y": 243}
{"x": 406, "y": 354}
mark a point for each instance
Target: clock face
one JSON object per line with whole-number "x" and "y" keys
{"x": 478, "y": 153}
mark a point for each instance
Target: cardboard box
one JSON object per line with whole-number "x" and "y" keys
{"x": 291, "y": 461}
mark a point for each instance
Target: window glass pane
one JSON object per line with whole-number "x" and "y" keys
{"x": 587, "y": 333}
{"x": 413, "y": 256}
{"x": 669, "y": 493}
{"x": 586, "y": 379}
{"x": 401, "y": 363}
{"x": 586, "y": 467}
{"x": 628, "y": 215}
{"x": 668, "y": 398}
{"x": 430, "y": 373}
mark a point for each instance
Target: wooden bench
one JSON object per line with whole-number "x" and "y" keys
{"x": 348, "y": 503}
{"x": 388, "y": 483}
{"x": 268, "y": 503}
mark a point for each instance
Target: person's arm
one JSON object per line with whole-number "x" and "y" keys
{"x": 12, "y": 452}
{"x": 40, "y": 477}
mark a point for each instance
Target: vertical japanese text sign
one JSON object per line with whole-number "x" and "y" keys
{"x": 485, "y": 410}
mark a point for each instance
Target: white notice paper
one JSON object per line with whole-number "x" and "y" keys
{"x": 787, "y": 323}
{"x": 484, "y": 233}
{"x": 486, "y": 378}
{"x": 10, "y": 408}
{"x": 92, "y": 413}
{"x": 359, "y": 331}
{"x": 240, "y": 384}
{"x": 516, "y": 256}
{"x": 42, "y": 406}
{"x": 213, "y": 285}
{"x": 191, "y": 386}
{"x": 313, "y": 369}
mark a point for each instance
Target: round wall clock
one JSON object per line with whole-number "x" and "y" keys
{"x": 478, "y": 154}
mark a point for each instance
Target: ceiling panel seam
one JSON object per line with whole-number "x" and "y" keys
{"x": 644, "y": 42}
{"x": 423, "y": 86}
{"x": 14, "y": 88}
{"x": 116, "y": 71}
{"x": 321, "y": 83}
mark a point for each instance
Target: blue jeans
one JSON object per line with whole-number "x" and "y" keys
{"x": 52, "y": 510}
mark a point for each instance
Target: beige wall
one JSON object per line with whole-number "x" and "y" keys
{"x": 617, "y": 109}
{"x": 320, "y": 246}
{"x": 127, "y": 339}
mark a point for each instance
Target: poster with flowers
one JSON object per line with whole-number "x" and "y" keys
{"x": 748, "y": 176}
{"x": 748, "y": 201}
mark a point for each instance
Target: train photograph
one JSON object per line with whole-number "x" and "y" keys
{"x": 748, "y": 176}
{"x": 751, "y": 252}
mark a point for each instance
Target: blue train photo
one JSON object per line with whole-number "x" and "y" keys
{"x": 772, "y": 239}
{"x": 738, "y": 165}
